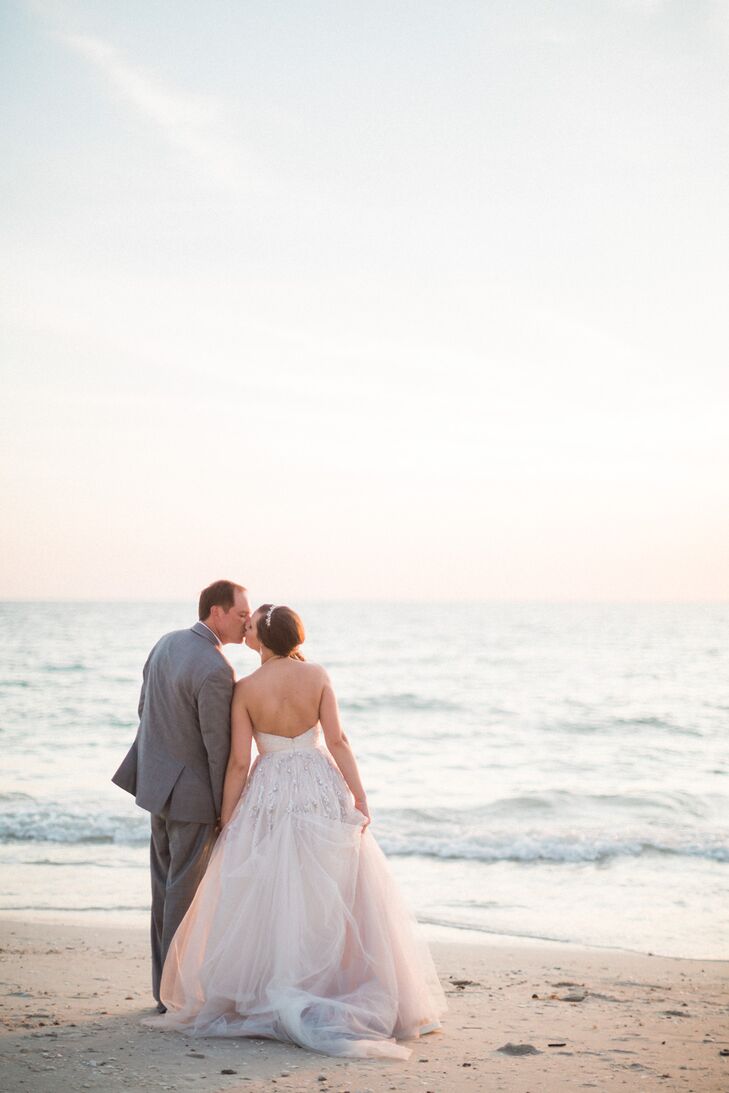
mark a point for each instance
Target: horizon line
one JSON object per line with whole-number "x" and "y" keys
{"x": 460, "y": 600}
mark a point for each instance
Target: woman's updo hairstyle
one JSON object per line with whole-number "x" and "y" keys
{"x": 281, "y": 630}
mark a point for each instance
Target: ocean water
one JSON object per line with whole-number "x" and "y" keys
{"x": 547, "y": 771}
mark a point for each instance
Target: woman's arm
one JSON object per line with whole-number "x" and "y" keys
{"x": 239, "y": 760}
{"x": 339, "y": 746}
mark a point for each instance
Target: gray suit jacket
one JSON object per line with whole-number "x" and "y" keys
{"x": 182, "y": 745}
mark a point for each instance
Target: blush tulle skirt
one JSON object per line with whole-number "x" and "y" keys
{"x": 298, "y": 930}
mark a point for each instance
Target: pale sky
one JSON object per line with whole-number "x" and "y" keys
{"x": 383, "y": 299}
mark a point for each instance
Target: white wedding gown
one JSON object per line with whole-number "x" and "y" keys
{"x": 298, "y": 930}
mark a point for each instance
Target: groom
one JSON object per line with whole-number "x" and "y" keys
{"x": 176, "y": 765}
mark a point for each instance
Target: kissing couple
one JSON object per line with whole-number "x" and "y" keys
{"x": 274, "y": 911}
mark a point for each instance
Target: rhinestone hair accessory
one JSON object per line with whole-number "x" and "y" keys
{"x": 271, "y": 610}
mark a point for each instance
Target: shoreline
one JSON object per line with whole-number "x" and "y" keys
{"x": 73, "y": 997}
{"x": 435, "y": 933}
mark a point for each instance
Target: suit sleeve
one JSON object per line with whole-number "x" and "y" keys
{"x": 213, "y": 706}
{"x": 145, "y": 670}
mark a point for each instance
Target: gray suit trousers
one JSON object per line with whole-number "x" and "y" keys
{"x": 179, "y": 853}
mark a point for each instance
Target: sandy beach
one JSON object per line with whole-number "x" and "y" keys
{"x": 73, "y": 997}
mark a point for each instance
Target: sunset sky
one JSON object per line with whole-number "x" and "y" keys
{"x": 365, "y": 300}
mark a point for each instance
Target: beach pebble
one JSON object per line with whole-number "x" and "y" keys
{"x": 228, "y": 1070}
{"x": 519, "y": 1049}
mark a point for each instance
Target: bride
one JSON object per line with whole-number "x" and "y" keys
{"x": 298, "y": 931}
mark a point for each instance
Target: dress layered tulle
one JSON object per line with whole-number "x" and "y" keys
{"x": 298, "y": 930}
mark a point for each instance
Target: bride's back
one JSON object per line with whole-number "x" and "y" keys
{"x": 284, "y": 695}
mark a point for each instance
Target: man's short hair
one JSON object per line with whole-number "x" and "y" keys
{"x": 217, "y": 594}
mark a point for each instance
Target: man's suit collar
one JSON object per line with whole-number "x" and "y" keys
{"x": 205, "y": 632}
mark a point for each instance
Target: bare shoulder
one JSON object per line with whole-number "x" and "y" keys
{"x": 324, "y": 683}
{"x": 311, "y": 676}
{"x": 315, "y": 671}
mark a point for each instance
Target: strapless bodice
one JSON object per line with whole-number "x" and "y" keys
{"x": 270, "y": 742}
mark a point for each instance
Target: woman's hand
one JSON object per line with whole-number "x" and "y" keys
{"x": 361, "y": 806}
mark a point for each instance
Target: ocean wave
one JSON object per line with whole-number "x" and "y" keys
{"x": 116, "y": 722}
{"x": 671, "y": 727}
{"x": 400, "y": 701}
{"x": 59, "y": 825}
{"x": 551, "y": 848}
{"x": 72, "y": 863}
{"x": 114, "y": 907}
{"x": 477, "y": 835}
{"x": 74, "y": 666}
{"x": 605, "y": 726}
{"x": 564, "y": 804}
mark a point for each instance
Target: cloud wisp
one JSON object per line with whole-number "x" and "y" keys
{"x": 190, "y": 123}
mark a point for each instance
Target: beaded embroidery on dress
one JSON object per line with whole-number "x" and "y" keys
{"x": 298, "y": 930}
